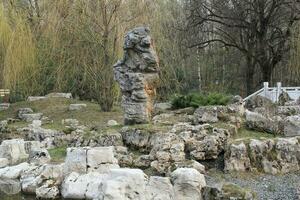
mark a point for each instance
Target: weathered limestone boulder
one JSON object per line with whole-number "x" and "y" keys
{"x": 136, "y": 138}
{"x": 86, "y": 186}
{"x": 125, "y": 184}
{"x": 3, "y": 162}
{"x": 162, "y": 107}
{"x": 258, "y": 101}
{"x": 143, "y": 161}
{"x": 292, "y": 126}
{"x": 206, "y": 144}
{"x": 272, "y": 156}
{"x": 83, "y": 160}
{"x": 60, "y": 95}
{"x": 27, "y": 115}
{"x": 9, "y": 186}
{"x": 188, "y": 184}
{"x": 283, "y": 98}
{"x": 36, "y": 179}
{"x": 206, "y": 114}
{"x": 73, "y": 107}
{"x": 101, "y": 159}
{"x": 288, "y": 110}
{"x": 190, "y": 164}
{"x": 137, "y": 74}
{"x": 160, "y": 188}
{"x": 48, "y": 191}
{"x": 39, "y": 156}
{"x": 47, "y": 137}
{"x": 117, "y": 184}
{"x": 13, "y": 172}
{"x": 76, "y": 160}
{"x": 288, "y": 154}
{"x": 259, "y": 122}
{"x": 238, "y": 159}
{"x": 14, "y": 151}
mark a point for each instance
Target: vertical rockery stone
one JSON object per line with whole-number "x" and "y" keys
{"x": 137, "y": 75}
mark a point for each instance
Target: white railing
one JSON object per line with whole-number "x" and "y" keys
{"x": 273, "y": 93}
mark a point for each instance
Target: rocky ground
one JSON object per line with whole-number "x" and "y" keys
{"x": 232, "y": 152}
{"x": 266, "y": 186}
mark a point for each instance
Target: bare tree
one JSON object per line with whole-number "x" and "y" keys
{"x": 259, "y": 29}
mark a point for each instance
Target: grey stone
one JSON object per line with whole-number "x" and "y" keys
{"x": 112, "y": 123}
{"x": 14, "y": 151}
{"x": 292, "y": 126}
{"x": 9, "y": 186}
{"x": 4, "y": 106}
{"x": 188, "y": 183}
{"x": 137, "y": 74}
{"x": 3, "y": 162}
{"x": 73, "y": 107}
{"x": 60, "y": 95}
{"x": 207, "y": 114}
{"x": 160, "y": 188}
{"x": 36, "y": 98}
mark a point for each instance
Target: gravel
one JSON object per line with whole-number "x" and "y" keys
{"x": 267, "y": 187}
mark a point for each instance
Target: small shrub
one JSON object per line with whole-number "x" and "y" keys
{"x": 195, "y": 100}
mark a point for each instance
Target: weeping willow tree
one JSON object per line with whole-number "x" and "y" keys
{"x": 5, "y": 36}
{"x": 19, "y": 69}
{"x": 79, "y": 41}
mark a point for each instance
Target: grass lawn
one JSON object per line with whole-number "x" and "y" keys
{"x": 56, "y": 109}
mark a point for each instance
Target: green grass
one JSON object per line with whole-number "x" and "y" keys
{"x": 245, "y": 134}
{"x": 58, "y": 154}
{"x": 56, "y": 109}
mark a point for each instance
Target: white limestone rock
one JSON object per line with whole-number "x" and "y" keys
{"x": 160, "y": 188}
{"x": 3, "y": 162}
{"x": 188, "y": 184}
{"x": 236, "y": 158}
{"x": 76, "y": 160}
{"x": 86, "y": 186}
{"x": 14, "y": 151}
{"x": 13, "y": 172}
{"x": 47, "y": 191}
{"x": 9, "y": 186}
{"x": 125, "y": 184}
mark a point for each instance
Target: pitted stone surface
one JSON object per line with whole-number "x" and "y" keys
{"x": 137, "y": 74}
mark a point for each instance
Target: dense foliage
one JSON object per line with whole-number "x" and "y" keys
{"x": 195, "y": 100}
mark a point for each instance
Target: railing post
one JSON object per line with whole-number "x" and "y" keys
{"x": 266, "y": 88}
{"x": 278, "y": 91}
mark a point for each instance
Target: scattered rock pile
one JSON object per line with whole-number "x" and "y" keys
{"x": 273, "y": 156}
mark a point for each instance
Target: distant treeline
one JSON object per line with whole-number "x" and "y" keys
{"x": 71, "y": 46}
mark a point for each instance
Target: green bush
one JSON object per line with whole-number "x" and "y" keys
{"x": 195, "y": 100}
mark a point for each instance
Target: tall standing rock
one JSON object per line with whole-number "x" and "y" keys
{"x": 137, "y": 74}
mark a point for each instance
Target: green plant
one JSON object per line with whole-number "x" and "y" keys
{"x": 196, "y": 100}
